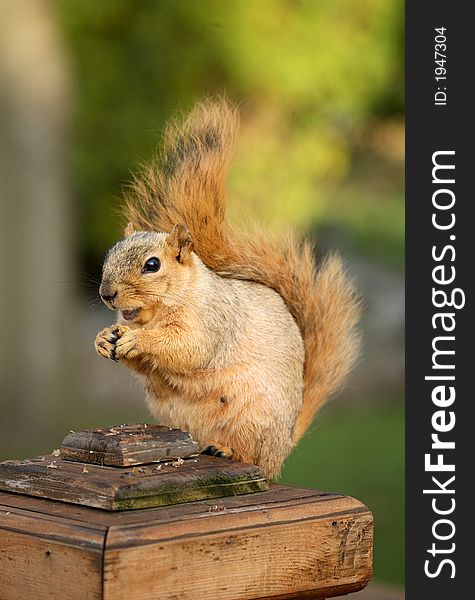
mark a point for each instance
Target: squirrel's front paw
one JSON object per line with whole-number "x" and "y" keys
{"x": 106, "y": 340}
{"x": 127, "y": 346}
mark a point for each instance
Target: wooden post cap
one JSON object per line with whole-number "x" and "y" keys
{"x": 126, "y": 445}
{"x": 130, "y": 467}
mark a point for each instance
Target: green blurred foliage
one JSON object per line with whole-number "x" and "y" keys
{"x": 309, "y": 75}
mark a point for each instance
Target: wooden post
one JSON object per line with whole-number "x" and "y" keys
{"x": 197, "y": 527}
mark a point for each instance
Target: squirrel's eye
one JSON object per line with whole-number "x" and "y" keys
{"x": 152, "y": 265}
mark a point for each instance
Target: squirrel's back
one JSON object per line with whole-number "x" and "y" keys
{"x": 187, "y": 184}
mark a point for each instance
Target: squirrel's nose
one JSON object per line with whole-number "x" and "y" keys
{"x": 108, "y": 297}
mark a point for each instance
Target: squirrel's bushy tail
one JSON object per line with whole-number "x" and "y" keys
{"x": 187, "y": 184}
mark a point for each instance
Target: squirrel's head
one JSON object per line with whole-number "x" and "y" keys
{"x": 146, "y": 270}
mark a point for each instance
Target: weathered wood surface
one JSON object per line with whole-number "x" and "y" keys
{"x": 43, "y": 556}
{"x": 284, "y": 543}
{"x": 126, "y": 445}
{"x": 245, "y": 554}
{"x": 145, "y": 486}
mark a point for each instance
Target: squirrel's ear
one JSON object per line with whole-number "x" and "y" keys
{"x": 129, "y": 230}
{"x": 179, "y": 240}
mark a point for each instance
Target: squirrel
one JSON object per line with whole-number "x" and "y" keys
{"x": 238, "y": 336}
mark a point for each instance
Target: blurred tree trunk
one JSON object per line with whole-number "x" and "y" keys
{"x": 36, "y": 296}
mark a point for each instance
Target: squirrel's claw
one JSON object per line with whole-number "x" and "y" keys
{"x": 127, "y": 345}
{"x": 218, "y": 450}
{"x": 106, "y": 341}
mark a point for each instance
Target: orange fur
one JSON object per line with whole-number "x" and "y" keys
{"x": 187, "y": 184}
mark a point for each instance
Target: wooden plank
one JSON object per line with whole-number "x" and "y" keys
{"x": 114, "y": 488}
{"x": 323, "y": 547}
{"x": 225, "y": 519}
{"x": 126, "y": 445}
{"x": 51, "y": 526}
{"x": 44, "y": 557}
{"x": 277, "y": 495}
{"x": 328, "y": 592}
